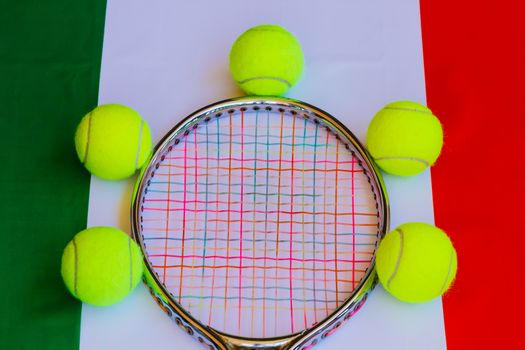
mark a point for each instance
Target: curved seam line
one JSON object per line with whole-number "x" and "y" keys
{"x": 404, "y": 158}
{"x": 88, "y": 137}
{"x": 409, "y": 109}
{"x": 138, "y": 149}
{"x": 265, "y": 77}
{"x": 76, "y": 266}
{"x": 130, "y": 265}
{"x": 401, "y": 242}
{"x": 448, "y": 273}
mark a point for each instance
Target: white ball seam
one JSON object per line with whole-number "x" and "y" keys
{"x": 398, "y": 261}
{"x": 139, "y": 143}
{"x": 442, "y": 289}
{"x": 88, "y": 137}
{"x": 409, "y": 109}
{"x": 421, "y": 160}
{"x": 281, "y": 80}
{"x": 75, "y": 270}
{"x": 130, "y": 265}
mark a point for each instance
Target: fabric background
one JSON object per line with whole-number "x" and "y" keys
{"x": 49, "y": 72}
{"x": 474, "y": 66}
{"x": 49, "y": 68}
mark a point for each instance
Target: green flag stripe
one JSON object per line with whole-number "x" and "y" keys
{"x": 50, "y": 53}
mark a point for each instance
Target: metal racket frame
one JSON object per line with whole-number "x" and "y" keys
{"x": 207, "y": 335}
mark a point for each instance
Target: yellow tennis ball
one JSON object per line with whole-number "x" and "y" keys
{"x": 266, "y": 60}
{"x": 101, "y": 265}
{"x": 404, "y": 138}
{"x": 416, "y": 262}
{"x": 113, "y": 141}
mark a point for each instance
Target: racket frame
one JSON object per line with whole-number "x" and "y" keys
{"x": 207, "y": 335}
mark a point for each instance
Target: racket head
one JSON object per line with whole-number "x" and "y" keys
{"x": 182, "y": 150}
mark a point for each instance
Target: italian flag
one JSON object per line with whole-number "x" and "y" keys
{"x": 466, "y": 60}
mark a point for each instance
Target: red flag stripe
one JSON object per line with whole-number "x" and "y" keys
{"x": 474, "y": 55}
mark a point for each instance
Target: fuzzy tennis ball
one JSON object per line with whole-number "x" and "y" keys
{"x": 416, "y": 262}
{"x": 113, "y": 141}
{"x": 101, "y": 265}
{"x": 404, "y": 138}
{"x": 266, "y": 60}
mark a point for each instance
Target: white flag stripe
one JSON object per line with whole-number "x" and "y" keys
{"x": 168, "y": 58}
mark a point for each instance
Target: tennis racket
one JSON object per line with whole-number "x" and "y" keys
{"x": 259, "y": 219}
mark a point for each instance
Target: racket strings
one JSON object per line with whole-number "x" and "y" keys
{"x": 259, "y": 223}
